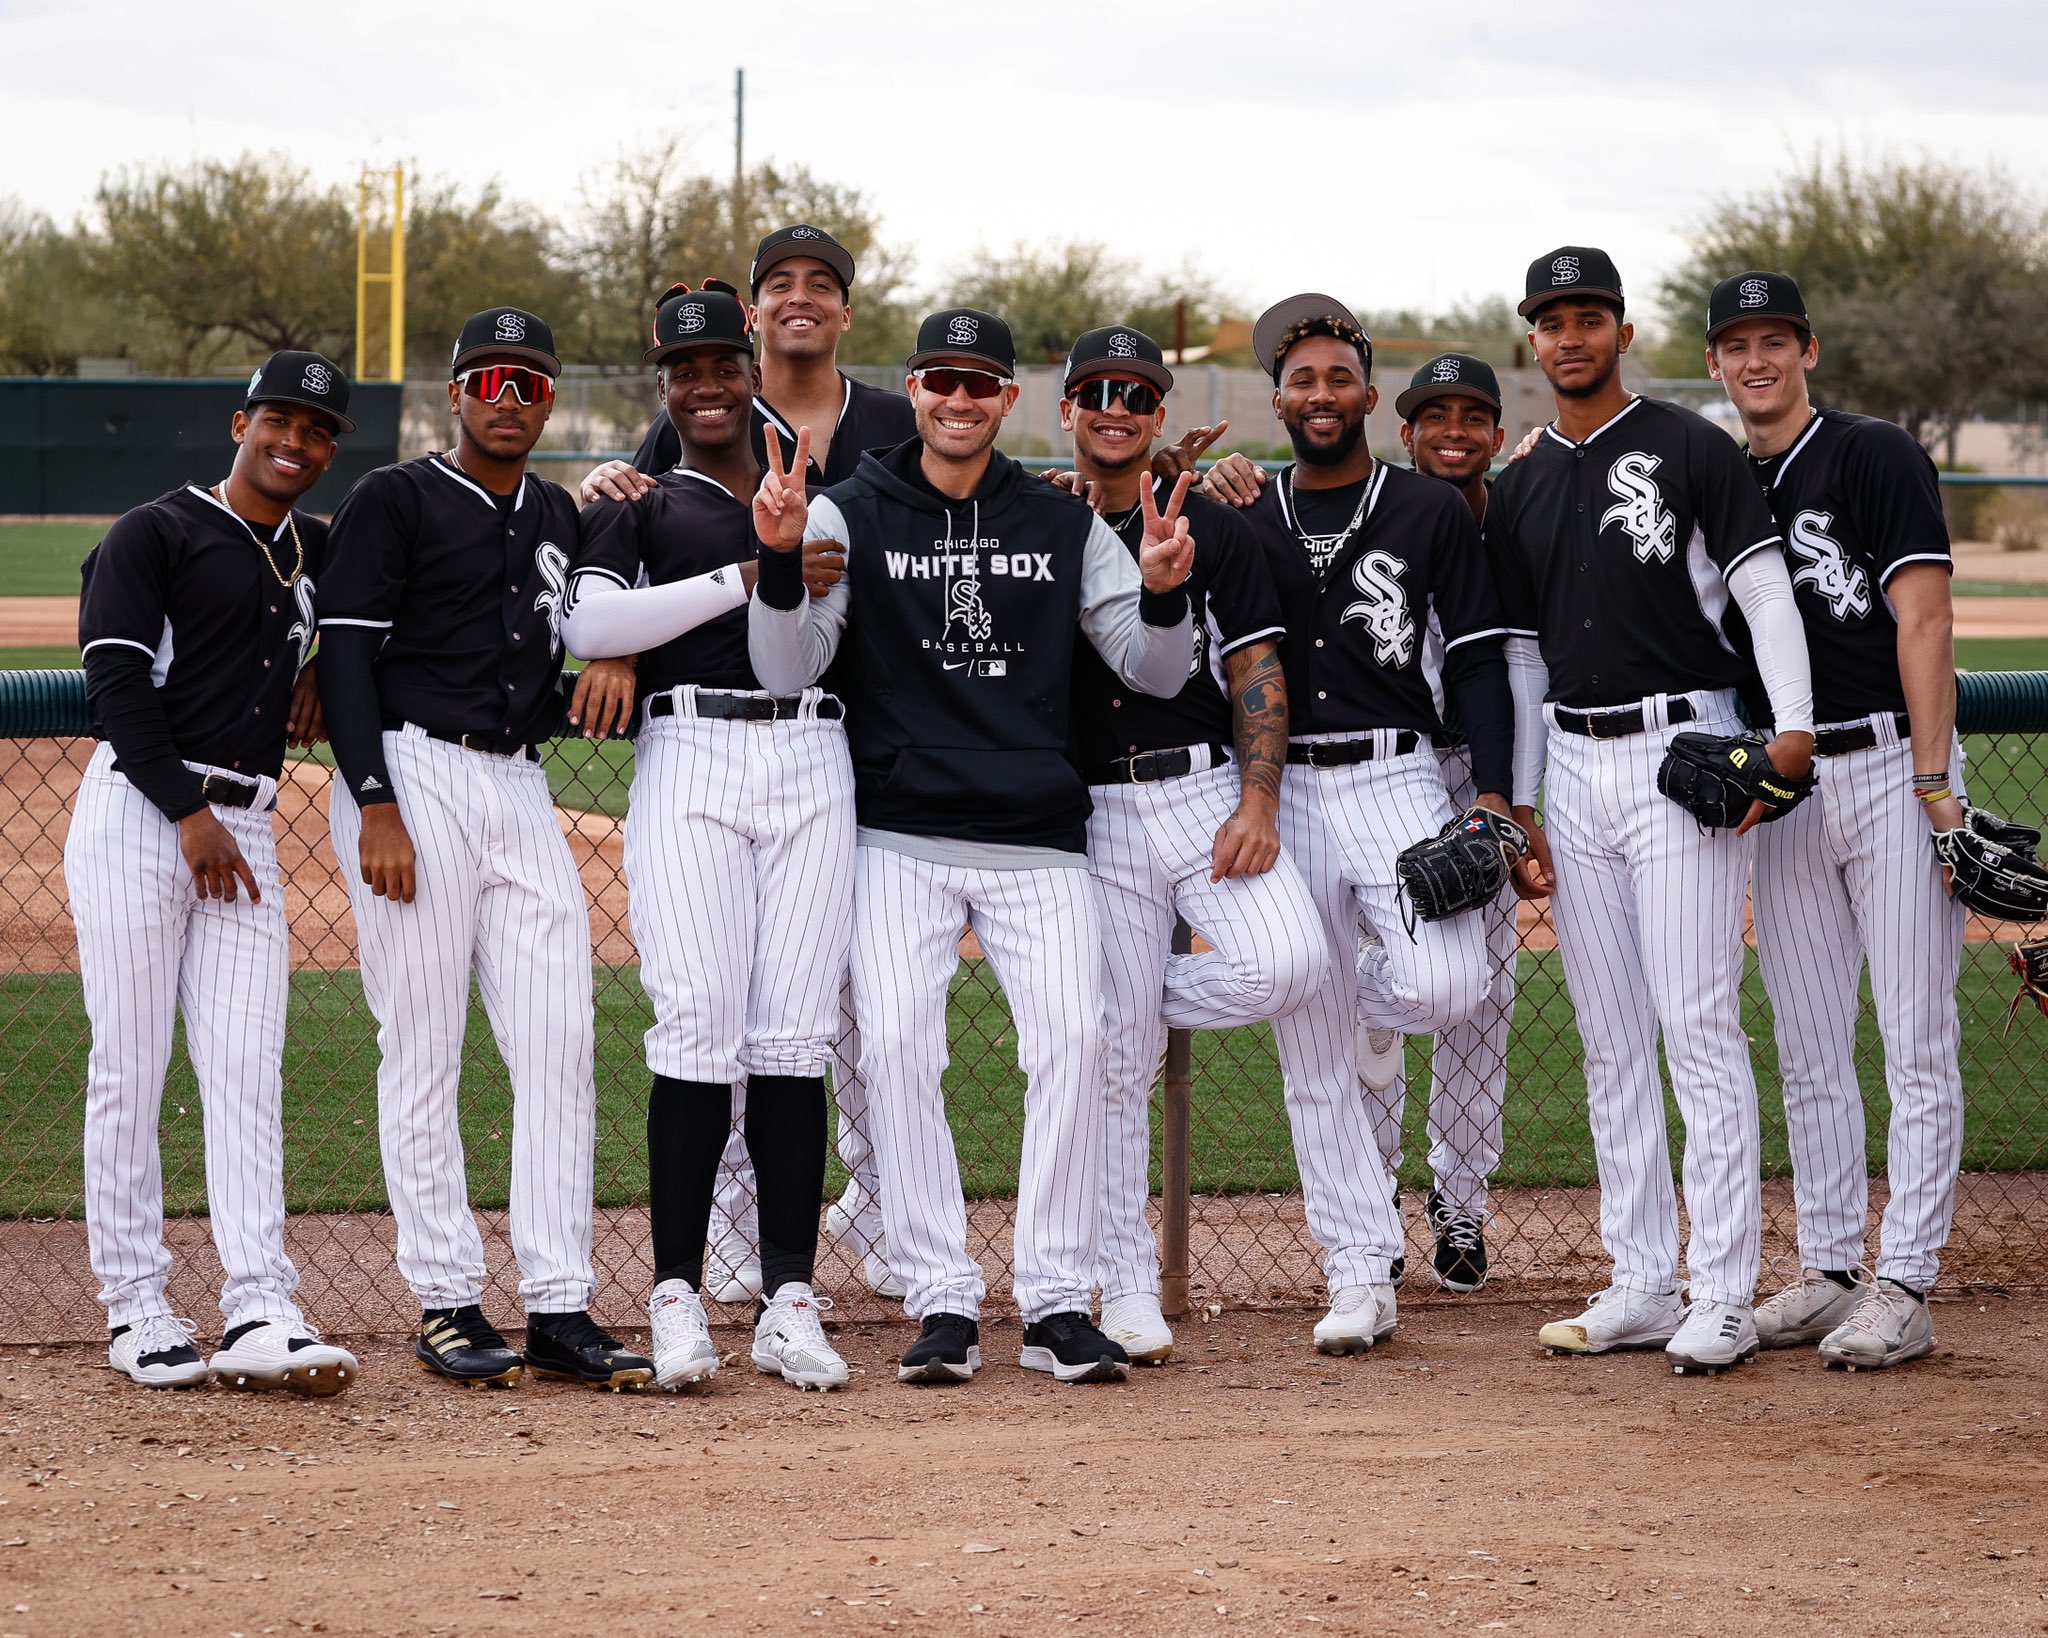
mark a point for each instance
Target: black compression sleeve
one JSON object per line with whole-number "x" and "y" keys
{"x": 1476, "y": 677}
{"x": 131, "y": 716}
{"x": 780, "y": 578}
{"x": 355, "y": 720}
{"x": 786, "y": 1141}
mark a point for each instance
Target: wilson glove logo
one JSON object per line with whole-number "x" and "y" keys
{"x": 1382, "y": 607}
{"x": 1825, "y": 567}
{"x": 1642, "y": 514}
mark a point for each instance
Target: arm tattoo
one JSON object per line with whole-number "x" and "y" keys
{"x": 1258, "y": 717}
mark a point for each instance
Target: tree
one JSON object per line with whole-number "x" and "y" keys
{"x": 1049, "y": 296}
{"x": 1928, "y": 284}
{"x": 1490, "y": 329}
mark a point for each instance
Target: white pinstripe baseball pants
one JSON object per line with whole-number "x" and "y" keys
{"x": 1343, "y": 827}
{"x": 149, "y": 947}
{"x": 1851, "y": 873}
{"x": 1039, "y": 931}
{"x": 497, "y": 892}
{"x": 1149, "y": 847}
{"x": 1649, "y": 924}
{"x": 1468, "y": 1065}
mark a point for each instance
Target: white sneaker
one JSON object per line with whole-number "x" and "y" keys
{"x": 1889, "y": 1326}
{"x": 843, "y": 1224}
{"x": 881, "y": 1279}
{"x": 1380, "y": 1051}
{"x": 789, "y": 1340}
{"x": 683, "y": 1352}
{"x": 276, "y": 1354}
{"x": 1809, "y": 1309}
{"x": 1714, "y": 1337}
{"x": 158, "y": 1353}
{"x": 1135, "y": 1324}
{"x": 1359, "y": 1316}
{"x": 732, "y": 1285}
{"x": 1616, "y": 1319}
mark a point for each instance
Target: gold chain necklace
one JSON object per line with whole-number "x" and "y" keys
{"x": 220, "y": 493}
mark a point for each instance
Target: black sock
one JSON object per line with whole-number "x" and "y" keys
{"x": 786, "y": 1138}
{"x": 1841, "y": 1277}
{"x": 687, "y": 1125}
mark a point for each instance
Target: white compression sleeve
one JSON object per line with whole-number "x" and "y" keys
{"x": 605, "y": 618}
{"x": 1528, "y": 681}
{"x": 1762, "y": 588}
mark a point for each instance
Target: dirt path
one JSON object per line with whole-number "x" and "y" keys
{"x": 1453, "y": 1480}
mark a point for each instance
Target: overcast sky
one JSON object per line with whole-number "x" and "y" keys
{"x": 1409, "y": 155}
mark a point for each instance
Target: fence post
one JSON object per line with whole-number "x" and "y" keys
{"x": 1175, "y": 1151}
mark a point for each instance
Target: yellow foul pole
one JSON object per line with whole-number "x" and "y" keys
{"x": 393, "y": 279}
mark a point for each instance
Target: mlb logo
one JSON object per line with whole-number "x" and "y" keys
{"x": 992, "y": 668}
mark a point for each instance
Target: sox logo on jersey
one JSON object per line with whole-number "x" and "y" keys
{"x": 1825, "y": 567}
{"x": 1383, "y": 607}
{"x": 553, "y": 564}
{"x": 1641, "y": 511}
{"x": 302, "y": 629}
{"x": 965, "y": 609}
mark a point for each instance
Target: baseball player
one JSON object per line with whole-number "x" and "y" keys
{"x": 1364, "y": 557}
{"x": 739, "y": 854}
{"x": 964, "y": 581}
{"x": 194, "y": 623}
{"x": 1851, "y": 874}
{"x": 1618, "y": 544}
{"x": 439, "y": 643}
{"x": 801, "y": 281}
{"x": 1176, "y": 829}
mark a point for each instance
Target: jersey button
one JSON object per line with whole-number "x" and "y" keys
{"x": 1589, "y": 625}
{"x": 1319, "y": 642}
{"x": 266, "y": 665}
{"x": 1321, "y": 695}
{"x": 518, "y": 636}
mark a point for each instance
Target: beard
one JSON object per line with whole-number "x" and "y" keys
{"x": 1312, "y": 454}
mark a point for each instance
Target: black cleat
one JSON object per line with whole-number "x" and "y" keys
{"x": 460, "y": 1344}
{"x": 576, "y": 1347}
{"x": 1069, "y": 1346}
{"x": 1460, "y": 1260}
{"x": 947, "y": 1349}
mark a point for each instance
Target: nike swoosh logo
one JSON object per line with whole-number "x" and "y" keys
{"x": 953, "y": 665}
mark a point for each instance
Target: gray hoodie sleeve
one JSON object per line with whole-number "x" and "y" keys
{"x": 1152, "y": 659}
{"x": 791, "y": 647}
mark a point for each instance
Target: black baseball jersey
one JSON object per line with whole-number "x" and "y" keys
{"x": 686, "y": 526}
{"x": 467, "y": 588}
{"x": 869, "y": 418}
{"x": 181, "y": 590}
{"x": 1232, "y": 595}
{"x": 1613, "y": 553}
{"x": 1858, "y": 500}
{"x": 1357, "y": 602}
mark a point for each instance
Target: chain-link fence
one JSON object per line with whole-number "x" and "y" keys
{"x": 1239, "y": 1239}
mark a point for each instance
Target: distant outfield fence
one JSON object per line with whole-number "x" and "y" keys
{"x": 1226, "y": 1193}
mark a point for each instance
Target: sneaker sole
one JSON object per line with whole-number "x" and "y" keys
{"x": 938, "y": 1373}
{"x": 686, "y": 1375}
{"x": 1562, "y": 1337}
{"x": 1142, "y": 1353}
{"x": 1090, "y": 1370}
{"x": 637, "y": 1376}
{"x": 1463, "y": 1289}
{"x": 1898, "y": 1356}
{"x": 307, "y": 1381}
{"x": 507, "y": 1378}
{"x": 1690, "y": 1365}
{"x": 183, "y": 1381}
{"x": 823, "y": 1381}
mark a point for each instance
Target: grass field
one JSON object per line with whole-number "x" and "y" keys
{"x": 42, "y": 559}
{"x": 1241, "y": 1141}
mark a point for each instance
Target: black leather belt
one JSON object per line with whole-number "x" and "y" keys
{"x": 1861, "y": 737}
{"x": 489, "y": 744}
{"x": 1343, "y": 753}
{"x": 748, "y": 708}
{"x": 1620, "y": 722}
{"x": 1149, "y": 767}
{"x": 226, "y": 791}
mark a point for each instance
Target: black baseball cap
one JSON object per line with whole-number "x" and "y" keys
{"x": 1450, "y": 375}
{"x": 712, "y": 315}
{"x": 302, "y": 378}
{"x": 785, "y": 244}
{"x": 965, "y": 332}
{"x": 1570, "y": 270}
{"x": 1117, "y": 349}
{"x": 507, "y": 331}
{"x": 1755, "y": 295}
{"x": 1326, "y": 315}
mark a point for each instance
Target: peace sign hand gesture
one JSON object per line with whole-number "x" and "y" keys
{"x": 780, "y": 509}
{"x": 1168, "y": 553}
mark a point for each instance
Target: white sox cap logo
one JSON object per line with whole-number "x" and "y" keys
{"x": 1122, "y": 346}
{"x": 1755, "y": 293}
{"x": 691, "y": 319}
{"x": 1564, "y": 270}
{"x": 963, "y": 331}
{"x": 1446, "y": 369}
{"x": 805, "y": 233}
{"x": 511, "y": 327}
{"x": 318, "y": 378}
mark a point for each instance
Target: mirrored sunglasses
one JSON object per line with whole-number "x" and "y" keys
{"x": 975, "y": 383}
{"x": 1139, "y": 397}
{"x": 489, "y": 381}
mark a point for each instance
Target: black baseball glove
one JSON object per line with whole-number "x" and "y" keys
{"x": 1462, "y": 866}
{"x": 1992, "y": 867}
{"x": 1715, "y": 777}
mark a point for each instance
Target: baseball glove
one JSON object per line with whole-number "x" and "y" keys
{"x": 1992, "y": 868}
{"x": 2029, "y": 958}
{"x": 1462, "y": 866}
{"x": 1715, "y": 777}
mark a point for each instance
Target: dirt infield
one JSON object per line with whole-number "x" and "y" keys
{"x": 1453, "y": 1480}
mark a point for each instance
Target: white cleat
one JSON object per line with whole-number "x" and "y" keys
{"x": 158, "y": 1353}
{"x": 1359, "y": 1316}
{"x": 1809, "y": 1309}
{"x": 789, "y": 1340}
{"x": 1889, "y": 1327}
{"x": 1616, "y": 1318}
{"x": 732, "y": 1285}
{"x": 275, "y": 1354}
{"x": 682, "y": 1348}
{"x": 842, "y": 1223}
{"x": 1715, "y": 1337}
{"x": 881, "y": 1279}
{"x": 1135, "y": 1324}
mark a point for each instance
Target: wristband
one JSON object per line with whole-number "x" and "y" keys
{"x": 1931, "y": 797}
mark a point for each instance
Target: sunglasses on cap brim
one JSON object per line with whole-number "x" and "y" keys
{"x": 489, "y": 381}
{"x": 1104, "y": 392}
{"x": 946, "y": 380}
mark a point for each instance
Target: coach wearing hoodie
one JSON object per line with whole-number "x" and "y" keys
{"x": 971, "y": 578}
